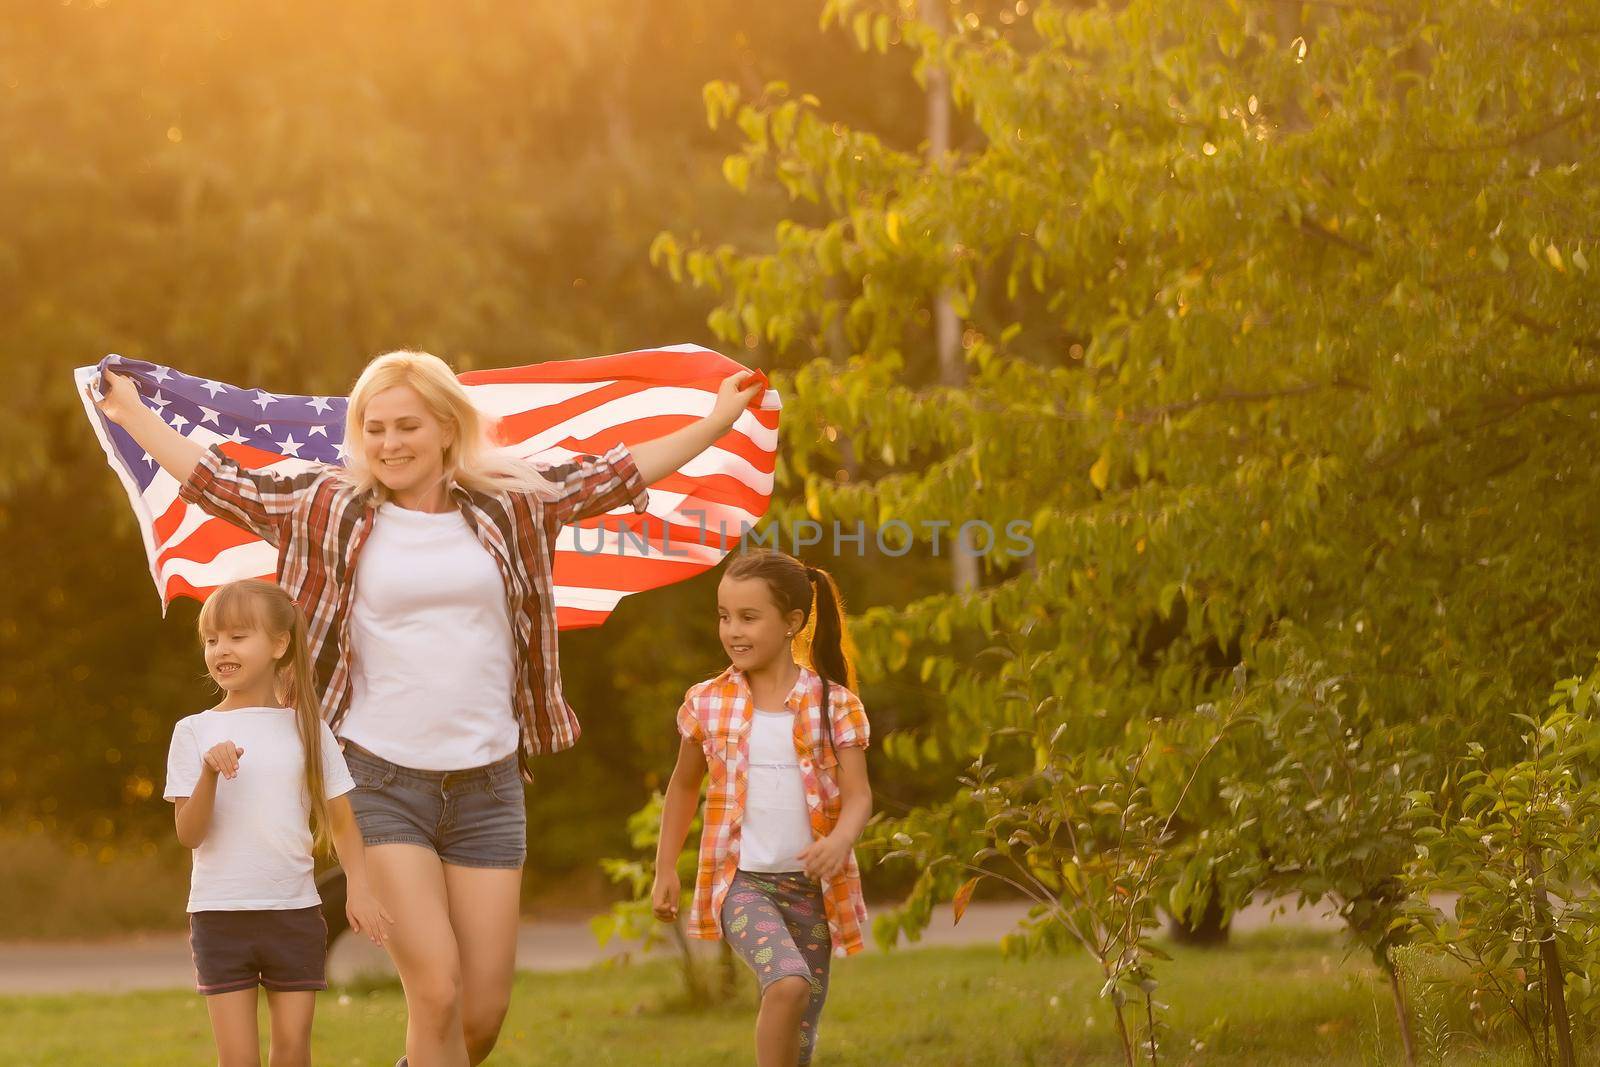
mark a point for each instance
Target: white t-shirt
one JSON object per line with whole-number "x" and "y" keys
{"x": 777, "y": 823}
{"x": 256, "y": 855}
{"x": 432, "y": 658}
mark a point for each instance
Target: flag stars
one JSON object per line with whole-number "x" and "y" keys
{"x": 236, "y": 437}
{"x": 207, "y": 415}
{"x": 213, "y": 388}
{"x": 317, "y": 431}
{"x": 161, "y": 374}
{"x": 178, "y": 422}
{"x": 320, "y": 404}
{"x": 264, "y": 398}
{"x": 290, "y": 447}
{"x": 159, "y": 401}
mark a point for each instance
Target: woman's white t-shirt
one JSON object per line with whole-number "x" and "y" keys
{"x": 432, "y": 658}
{"x": 777, "y": 823}
{"x": 256, "y": 855}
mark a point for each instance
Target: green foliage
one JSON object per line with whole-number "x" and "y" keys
{"x": 1227, "y": 343}
{"x": 631, "y": 918}
{"x": 1515, "y": 843}
{"x": 1085, "y": 833}
{"x": 1275, "y": 335}
{"x": 1322, "y": 793}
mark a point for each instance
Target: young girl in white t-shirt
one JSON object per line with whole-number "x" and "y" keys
{"x": 249, "y": 780}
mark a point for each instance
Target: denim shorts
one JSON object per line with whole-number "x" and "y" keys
{"x": 470, "y": 818}
{"x": 282, "y": 950}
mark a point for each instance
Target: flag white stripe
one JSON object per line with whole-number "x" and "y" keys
{"x": 654, "y": 401}
{"x": 588, "y": 598}
{"x": 241, "y": 561}
{"x": 714, "y": 460}
{"x": 499, "y": 399}
{"x": 617, "y": 544}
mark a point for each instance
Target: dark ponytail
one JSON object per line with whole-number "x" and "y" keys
{"x": 828, "y": 652}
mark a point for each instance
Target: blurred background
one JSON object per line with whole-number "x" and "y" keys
{"x": 271, "y": 195}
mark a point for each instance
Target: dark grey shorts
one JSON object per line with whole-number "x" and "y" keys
{"x": 470, "y": 818}
{"x": 282, "y": 950}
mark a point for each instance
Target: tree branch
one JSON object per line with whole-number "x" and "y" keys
{"x": 1524, "y": 137}
{"x": 1544, "y": 329}
{"x": 1341, "y": 5}
{"x": 1494, "y": 411}
{"x": 1231, "y": 396}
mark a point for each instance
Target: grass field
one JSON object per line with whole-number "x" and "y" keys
{"x": 1270, "y": 1001}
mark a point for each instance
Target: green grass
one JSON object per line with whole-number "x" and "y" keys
{"x": 1271, "y": 1001}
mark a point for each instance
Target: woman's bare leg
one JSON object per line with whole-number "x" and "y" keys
{"x": 410, "y": 881}
{"x": 484, "y": 912}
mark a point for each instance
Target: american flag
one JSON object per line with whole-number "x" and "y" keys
{"x": 545, "y": 411}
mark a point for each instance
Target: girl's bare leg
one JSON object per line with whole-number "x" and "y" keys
{"x": 783, "y": 1006}
{"x": 233, "y": 1024}
{"x": 291, "y": 1012}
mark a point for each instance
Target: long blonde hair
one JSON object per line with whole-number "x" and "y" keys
{"x": 254, "y": 605}
{"x": 471, "y": 459}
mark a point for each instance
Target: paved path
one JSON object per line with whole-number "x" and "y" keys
{"x": 162, "y": 961}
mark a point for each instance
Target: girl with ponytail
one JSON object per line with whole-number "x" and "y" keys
{"x": 785, "y": 747}
{"x": 249, "y": 779}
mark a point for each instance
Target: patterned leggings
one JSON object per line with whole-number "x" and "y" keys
{"x": 777, "y": 925}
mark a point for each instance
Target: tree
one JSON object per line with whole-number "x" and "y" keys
{"x": 1277, "y": 338}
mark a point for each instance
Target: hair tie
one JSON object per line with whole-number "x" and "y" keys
{"x": 812, "y": 574}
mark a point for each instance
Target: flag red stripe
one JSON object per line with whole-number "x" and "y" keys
{"x": 177, "y": 587}
{"x": 720, "y": 489}
{"x": 645, "y": 366}
{"x": 682, "y": 534}
{"x": 249, "y": 456}
{"x": 520, "y": 427}
{"x": 630, "y": 573}
{"x": 579, "y": 618}
{"x": 654, "y": 426}
{"x": 168, "y": 521}
{"x": 525, "y": 424}
{"x": 208, "y": 540}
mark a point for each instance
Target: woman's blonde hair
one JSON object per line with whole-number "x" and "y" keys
{"x": 256, "y": 606}
{"x": 471, "y": 459}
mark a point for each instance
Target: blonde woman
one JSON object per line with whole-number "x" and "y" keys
{"x": 423, "y": 567}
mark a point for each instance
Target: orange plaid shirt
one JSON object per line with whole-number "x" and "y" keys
{"x": 716, "y": 714}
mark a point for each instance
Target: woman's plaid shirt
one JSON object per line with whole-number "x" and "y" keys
{"x": 318, "y": 524}
{"x": 716, "y": 714}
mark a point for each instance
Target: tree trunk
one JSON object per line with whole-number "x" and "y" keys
{"x": 1402, "y": 1011}
{"x": 947, "y": 327}
{"x": 730, "y": 972}
{"x": 1207, "y": 930}
{"x": 694, "y": 986}
{"x": 1555, "y": 993}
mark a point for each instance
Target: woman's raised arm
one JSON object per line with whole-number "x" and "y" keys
{"x": 258, "y": 501}
{"x": 119, "y": 401}
{"x": 659, "y": 458}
